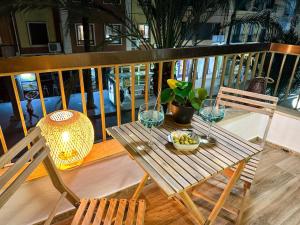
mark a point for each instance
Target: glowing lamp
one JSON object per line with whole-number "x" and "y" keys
{"x": 69, "y": 135}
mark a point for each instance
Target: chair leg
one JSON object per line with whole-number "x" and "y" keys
{"x": 243, "y": 204}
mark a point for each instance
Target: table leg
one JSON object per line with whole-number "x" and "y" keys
{"x": 191, "y": 205}
{"x": 140, "y": 186}
{"x": 213, "y": 215}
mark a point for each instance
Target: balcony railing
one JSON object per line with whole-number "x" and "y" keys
{"x": 209, "y": 67}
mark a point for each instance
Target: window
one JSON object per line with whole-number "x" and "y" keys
{"x": 112, "y": 34}
{"x": 80, "y": 36}
{"x": 114, "y": 2}
{"x": 38, "y": 33}
{"x": 144, "y": 29}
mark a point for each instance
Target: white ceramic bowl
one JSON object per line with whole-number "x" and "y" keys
{"x": 184, "y": 147}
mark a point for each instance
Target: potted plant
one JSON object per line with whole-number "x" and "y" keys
{"x": 185, "y": 100}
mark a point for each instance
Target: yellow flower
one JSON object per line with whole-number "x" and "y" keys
{"x": 172, "y": 83}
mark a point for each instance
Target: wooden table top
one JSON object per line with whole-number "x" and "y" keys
{"x": 175, "y": 171}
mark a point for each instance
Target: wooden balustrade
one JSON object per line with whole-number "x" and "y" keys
{"x": 251, "y": 58}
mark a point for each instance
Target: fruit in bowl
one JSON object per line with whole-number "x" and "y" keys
{"x": 184, "y": 140}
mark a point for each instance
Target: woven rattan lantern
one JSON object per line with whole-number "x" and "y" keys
{"x": 69, "y": 135}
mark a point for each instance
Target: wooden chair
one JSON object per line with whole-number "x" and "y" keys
{"x": 90, "y": 211}
{"x": 251, "y": 102}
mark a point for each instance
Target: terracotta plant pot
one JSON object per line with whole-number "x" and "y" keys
{"x": 182, "y": 114}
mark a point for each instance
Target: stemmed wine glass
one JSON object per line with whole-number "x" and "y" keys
{"x": 211, "y": 112}
{"x": 151, "y": 116}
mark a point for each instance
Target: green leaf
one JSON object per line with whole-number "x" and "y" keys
{"x": 183, "y": 84}
{"x": 167, "y": 95}
{"x": 202, "y": 93}
{"x": 196, "y": 105}
{"x": 183, "y": 93}
{"x": 179, "y": 100}
{"x": 191, "y": 95}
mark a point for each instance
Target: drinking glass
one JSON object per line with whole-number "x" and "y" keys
{"x": 211, "y": 113}
{"x": 151, "y": 116}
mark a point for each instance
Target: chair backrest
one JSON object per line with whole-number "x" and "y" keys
{"x": 14, "y": 175}
{"x": 249, "y": 101}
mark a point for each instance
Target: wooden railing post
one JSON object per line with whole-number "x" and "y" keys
{"x": 102, "y": 107}
{"x": 118, "y": 100}
{"x": 2, "y": 140}
{"x": 62, "y": 90}
{"x": 132, "y": 89}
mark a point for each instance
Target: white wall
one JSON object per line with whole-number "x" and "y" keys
{"x": 284, "y": 130}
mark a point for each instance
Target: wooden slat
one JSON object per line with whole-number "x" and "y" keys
{"x": 204, "y": 73}
{"x": 132, "y": 89}
{"x": 110, "y": 211}
{"x": 118, "y": 101}
{"x": 206, "y": 157}
{"x": 228, "y": 138}
{"x": 249, "y": 94}
{"x": 270, "y": 64}
{"x": 62, "y": 90}
{"x": 121, "y": 212}
{"x": 214, "y": 74}
{"x": 141, "y": 212}
{"x": 245, "y": 107}
{"x": 184, "y": 70}
{"x": 262, "y": 62}
{"x": 279, "y": 75}
{"x": 82, "y": 92}
{"x": 231, "y": 74}
{"x": 224, "y": 65}
{"x": 176, "y": 162}
{"x": 80, "y": 212}
{"x": 21, "y": 178}
{"x": 22, "y": 118}
{"x": 90, "y": 212}
{"x": 195, "y": 74}
{"x": 255, "y": 65}
{"x": 13, "y": 170}
{"x": 195, "y": 169}
{"x": 160, "y": 159}
{"x": 201, "y": 163}
{"x": 292, "y": 77}
{"x": 100, "y": 211}
{"x": 17, "y": 148}
{"x": 39, "y": 84}
{"x": 102, "y": 107}
{"x": 239, "y": 71}
{"x": 2, "y": 140}
{"x": 131, "y": 213}
{"x": 231, "y": 146}
{"x": 252, "y": 103}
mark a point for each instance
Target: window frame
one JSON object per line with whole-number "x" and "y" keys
{"x": 121, "y": 41}
{"x": 94, "y": 34}
{"x": 29, "y": 34}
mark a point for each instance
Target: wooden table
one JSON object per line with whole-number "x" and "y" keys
{"x": 176, "y": 172}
